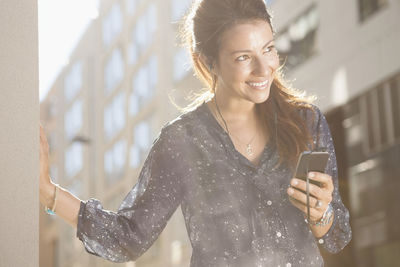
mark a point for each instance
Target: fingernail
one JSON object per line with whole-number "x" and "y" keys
{"x": 294, "y": 182}
{"x": 290, "y": 191}
{"x": 311, "y": 175}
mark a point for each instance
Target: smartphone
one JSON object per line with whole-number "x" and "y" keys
{"x": 310, "y": 161}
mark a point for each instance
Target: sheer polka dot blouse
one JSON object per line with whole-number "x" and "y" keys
{"x": 236, "y": 214}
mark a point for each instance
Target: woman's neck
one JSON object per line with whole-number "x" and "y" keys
{"x": 243, "y": 126}
{"x": 237, "y": 116}
{"x": 234, "y": 111}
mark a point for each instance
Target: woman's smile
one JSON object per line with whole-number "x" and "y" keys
{"x": 258, "y": 85}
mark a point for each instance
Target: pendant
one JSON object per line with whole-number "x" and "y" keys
{"x": 249, "y": 150}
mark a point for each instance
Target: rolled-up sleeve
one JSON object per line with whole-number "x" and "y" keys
{"x": 126, "y": 234}
{"x": 339, "y": 235}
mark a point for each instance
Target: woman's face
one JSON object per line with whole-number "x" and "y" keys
{"x": 246, "y": 62}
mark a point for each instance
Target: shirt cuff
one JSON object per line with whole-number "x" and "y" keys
{"x": 323, "y": 240}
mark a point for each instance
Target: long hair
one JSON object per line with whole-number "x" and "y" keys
{"x": 201, "y": 32}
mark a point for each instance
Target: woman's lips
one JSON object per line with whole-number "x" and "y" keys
{"x": 258, "y": 85}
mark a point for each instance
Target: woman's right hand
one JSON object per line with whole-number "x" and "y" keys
{"x": 45, "y": 184}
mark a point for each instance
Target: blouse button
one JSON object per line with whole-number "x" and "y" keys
{"x": 321, "y": 241}
{"x": 269, "y": 202}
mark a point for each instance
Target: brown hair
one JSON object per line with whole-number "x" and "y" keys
{"x": 202, "y": 31}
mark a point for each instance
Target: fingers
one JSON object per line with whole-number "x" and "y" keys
{"x": 324, "y": 193}
{"x": 43, "y": 139}
{"x": 43, "y": 153}
{"x": 302, "y": 199}
{"x": 323, "y": 178}
{"x": 314, "y": 190}
{"x": 315, "y": 214}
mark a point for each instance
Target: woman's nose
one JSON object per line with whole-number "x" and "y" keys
{"x": 262, "y": 67}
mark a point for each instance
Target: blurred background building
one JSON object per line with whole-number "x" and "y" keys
{"x": 109, "y": 103}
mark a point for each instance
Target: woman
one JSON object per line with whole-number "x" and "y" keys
{"x": 229, "y": 162}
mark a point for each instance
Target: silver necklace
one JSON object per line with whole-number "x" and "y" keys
{"x": 249, "y": 148}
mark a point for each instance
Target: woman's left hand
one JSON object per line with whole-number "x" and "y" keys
{"x": 322, "y": 194}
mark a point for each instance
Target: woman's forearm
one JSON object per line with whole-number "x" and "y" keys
{"x": 67, "y": 206}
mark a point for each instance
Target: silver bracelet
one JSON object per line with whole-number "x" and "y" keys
{"x": 326, "y": 217}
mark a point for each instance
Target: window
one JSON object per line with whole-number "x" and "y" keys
{"x": 181, "y": 64}
{"x": 112, "y": 25}
{"x": 114, "y": 71}
{"x": 179, "y": 7}
{"x": 52, "y": 140}
{"x": 268, "y": 2}
{"x": 51, "y": 108}
{"x": 143, "y": 33}
{"x": 151, "y": 18}
{"x": 368, "y": 7}
{"x": 73, "y": 160}
{"x": 353, "y": 132}
{"x": 133, "y": 54}
{"x": 73, "y": 120}
{"x": 140, "y": 34}
{"x": 114, "y": 162}
{"x": 131, "y": 6}
{"x": 144, "y": 85}
{"x": 75, "y": 187}
{"x": 73, "y": 81}
{"x": 115, "y": 201}
{"x": 141, "y": 143}
{"x": 114, "y": 116}
{"x": 297, "y": 43}
{"x": 395, "y": 98}
{"x": 54, "y": 173}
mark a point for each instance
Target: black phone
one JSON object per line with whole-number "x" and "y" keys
{"x": 310, "y": 161}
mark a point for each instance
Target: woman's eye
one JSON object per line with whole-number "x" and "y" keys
{"x": 242, "y": 58}
{"x": 270, "y": 48}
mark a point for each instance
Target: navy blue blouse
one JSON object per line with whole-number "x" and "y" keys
{"x": 236, "y": 213}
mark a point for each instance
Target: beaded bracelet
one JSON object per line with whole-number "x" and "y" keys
{"x": 53, "y": 210}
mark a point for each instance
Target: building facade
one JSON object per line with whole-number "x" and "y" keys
{"x": 109, "y": 103}
{"x": 103, "y": 113}
{"x": 345, "y": 53}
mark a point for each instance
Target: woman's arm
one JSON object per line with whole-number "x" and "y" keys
{"x": 126, "y": 234}
{"x": 68, "y": 205}
{"x": 339, "y": 233}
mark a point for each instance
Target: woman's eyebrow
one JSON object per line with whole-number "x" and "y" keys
{"x": 247, "y": 51}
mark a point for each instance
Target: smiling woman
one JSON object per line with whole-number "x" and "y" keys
{"x": 228, "y": 162}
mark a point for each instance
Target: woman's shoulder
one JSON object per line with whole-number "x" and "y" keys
{"x": 312, "y": 115}
{"x": 182, "y": 126}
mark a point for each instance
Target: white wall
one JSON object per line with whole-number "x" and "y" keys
{"x": 19, "y": 134}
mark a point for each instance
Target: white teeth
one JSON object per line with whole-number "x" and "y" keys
{"x": 258, "y": 84}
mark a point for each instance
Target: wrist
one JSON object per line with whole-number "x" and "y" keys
{"x": 47, "y": 194}
{"x": 325, "y": 219}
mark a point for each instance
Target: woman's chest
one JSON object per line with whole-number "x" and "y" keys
{"x": 222, "y": 187}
